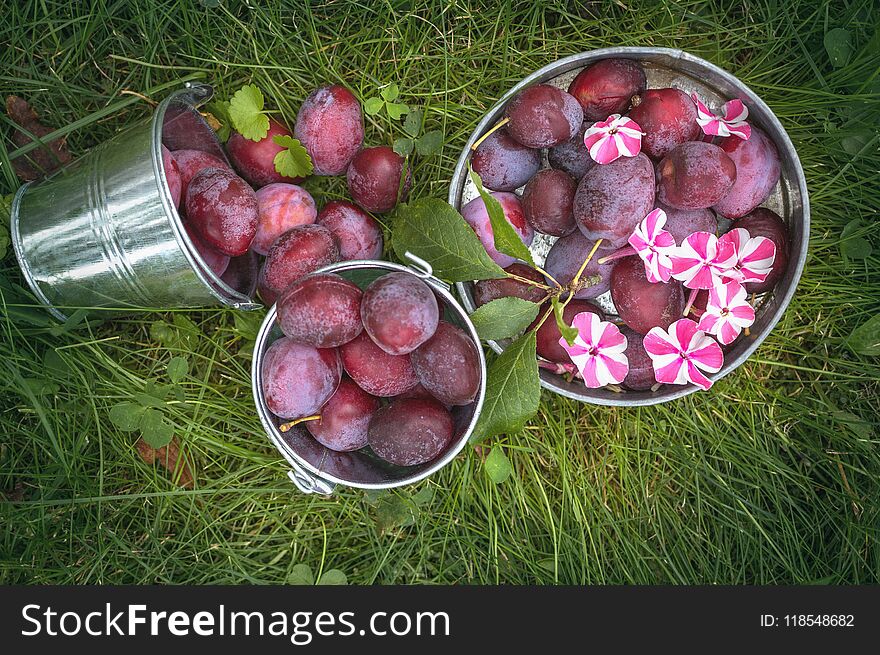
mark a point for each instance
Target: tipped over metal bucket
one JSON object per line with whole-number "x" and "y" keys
{"x": 103, "y": 233}
{"x": 317, "y": 469}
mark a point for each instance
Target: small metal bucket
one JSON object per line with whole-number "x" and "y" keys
{"x": 316, "y": 469}
{"x": 103, "y": 232}
{"x": 666, "y": 67}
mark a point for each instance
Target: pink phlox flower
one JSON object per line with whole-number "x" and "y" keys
{"x": 598, "y": 350}
{"x": 682, "y": 354}
{"x": 654, "y": 245}
{"x": 701, "y": 258}
{"x": 617, "y": 136}
{"x": 731, "y": 122}
{"x": 754, "y": 256}
{"x": 727, "y": 312}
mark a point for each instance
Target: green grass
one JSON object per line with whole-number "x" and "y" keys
{"x": 773, "y": 477}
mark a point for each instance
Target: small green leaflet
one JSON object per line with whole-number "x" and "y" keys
{"x": 504, "y": 317}
{"x": 294, "y": 161}
{"x": 246, "y": 112}
{"x": 373, "y": 105}
{"x": 565, "y": 329}
{"x": 497, "y": 466}
{"x": 429, "y": 143}
{"x": 413, "y": 123}
{"x": 390, "y": 92}
{"x": 126, "y": 416}
{"x": 178, "y": 369}
{"x": 333, "y": 577}
{"x": 513, "y": 390}
{"x": 507, "y": 240}
{"x": 853, "y": 245}
{"x": 396, "y": 110}
{"x": 157, "y": 431}
{"x": 219, "y": 109}
{"x": 865, "y": 339}
{"x": 301, "y": 574}
{"x": 431, "y": 229}
{"x": 839, "y": 46}
{"x": 403, "y": 146}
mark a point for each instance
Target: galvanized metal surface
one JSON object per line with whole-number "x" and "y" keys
{"x": 104, "y": 233}
{"x": 316, "y": 469}
{"x": 668, "y": 67}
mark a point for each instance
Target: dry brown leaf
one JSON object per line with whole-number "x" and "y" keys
{"x": 169, "y": 457}
{"x": 43, "y": 160}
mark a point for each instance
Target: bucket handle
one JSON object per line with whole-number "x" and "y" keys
{"x": 308, "y": 483}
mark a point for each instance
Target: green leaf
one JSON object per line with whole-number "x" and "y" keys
{"x": 507, "y": 240}
{"x": 148, "y": 400}
{"x": 424, "y": 496}
{"x": 395, "y": 111}
{"x": 155, "y": 428}
{"x": 219, "y": 109}
{"x": 565, "y": 329}
{"x": 126, "y": 416}
{"x": 246, "y": 112}
{"x": 394, "y": 511}
{"x": 333, "y": 577}
{"x": 41, "y": 387}
{"x": 178, "y": 368}
{"x": 853, "y": 246}
{"x": 839, "y": 46}
{"x": 855, "y": 423}
{"x": 431, "y": 229}
{"x": 403, "y": 146}
{"x": 513, "y": 390}
{"x": 301, "y": 574}
{"x": 247, "y": 324}
{"x": 56, "y": 365}
{"x": 373, "y": 105}
{"x": 497, "y": 466}
{"x": 865, "y": 339}
{"x": 294, "y": 161}
{"x": 429, "y": 143}
{"x": 390, "y": 92}
{"x": 413, "y": 123}
{"x": 504, "y": 317}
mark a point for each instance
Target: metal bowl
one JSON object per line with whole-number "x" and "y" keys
{"x": 316, "y": 469}
{"x": 668, "y": 68}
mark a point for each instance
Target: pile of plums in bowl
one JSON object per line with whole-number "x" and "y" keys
{"x": 368, "y": 360}
{"x": 675, "y": 218}
{"x": 237, "y": 209}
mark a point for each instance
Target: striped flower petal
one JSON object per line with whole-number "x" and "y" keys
{"x": 598, "y": 350}
{"x": 754, "y": 256}
{"x": 615, "y": 137}
{"x": 727, "y": 312}
{"x": 680, "y": 355}
{"x": 654, "y": 245}
{"x": 731, "y": 122}
{"x": 700, "y": 259}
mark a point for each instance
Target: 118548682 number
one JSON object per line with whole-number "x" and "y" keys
{"x": 818, "y": 620}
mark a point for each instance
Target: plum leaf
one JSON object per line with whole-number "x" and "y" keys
{"x": 853, "y": 245}
{"x": 178, "y": 369}
{"x": 403, "y": 146}
{"x": 504, "y": 317}
{"x": 156, "y": 430}
{"x": 507, "y": 241}
{"x": 396, "y": 110}
{"x": 565, "y": 329}
{"x": 433, "y": 230}
{"x": 513, "y": 390}
{"x": 126, "y": 416}
{"x": 865, "y": 339}
{"x": 294, "y": 160}
{"x": 373, "y": 105}
{"x": 246, "y": 113}
{"x": 497, "y": 466}
{"x": 839, "y": 46}
{"x": 429, "y": 143}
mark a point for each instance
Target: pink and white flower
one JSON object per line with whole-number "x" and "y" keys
{"x": 727, "y": 312}
{"x": 682, "y": 354}
{"x": 731, "y": 122}
{"x": 654, "y": 245}
{"x": 754, "y": 256}
{"x": 617, "y": 136}
{"x": 701, "y": 259}
{"x": 598, "y": 350}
